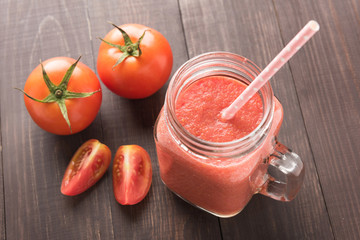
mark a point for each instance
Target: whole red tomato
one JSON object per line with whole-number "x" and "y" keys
{"x": 62, "y": 95}
{"x": 134, "y": 61}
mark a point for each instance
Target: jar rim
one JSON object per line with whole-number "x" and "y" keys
{"x": 218, "y": 149}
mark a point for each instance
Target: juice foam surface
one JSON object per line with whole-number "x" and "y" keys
{"x": 198, "y": 109}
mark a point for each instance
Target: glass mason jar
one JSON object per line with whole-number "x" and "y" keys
{"x": 221, "y": 177}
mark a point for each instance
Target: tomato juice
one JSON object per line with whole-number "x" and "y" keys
{"x": 198, "y": 110}
{"x": 222, "y": 185}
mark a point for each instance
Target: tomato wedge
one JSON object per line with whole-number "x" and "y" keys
{"x": 132, "y": 174}
{"x": 86, "y": 167}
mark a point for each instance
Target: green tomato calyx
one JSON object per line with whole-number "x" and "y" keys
{"x": 59, "y": 93}
{"x": 129, "y": 49}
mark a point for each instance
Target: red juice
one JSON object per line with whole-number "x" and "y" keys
{"x": 198, "y": 109}
{"x": 222, "y": 186}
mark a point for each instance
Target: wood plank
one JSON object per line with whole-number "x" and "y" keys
{"x": 2, "y": 196}
{"x": 162, "y": 215}
{"x": 250, "y": 28}
{"x": 327, "y": 79}
{"x": 34, "y": 161}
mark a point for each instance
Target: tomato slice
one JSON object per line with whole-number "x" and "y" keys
{"x": 86, "y": 167}
{"x": 132, "y": 174}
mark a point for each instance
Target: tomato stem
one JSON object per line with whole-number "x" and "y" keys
{"x": 59, "y": 93}
{"x": 129, "y": 49}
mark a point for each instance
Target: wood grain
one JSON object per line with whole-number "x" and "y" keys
{"x": 36, "y": 209}
{"x": 327, "y": 79}
{"x": 319, "y": 89}
{"x": 250, "y": 28}
{"x": 35, "y": 160}
{"x": 2, "y": 196}
{"x": 162, "y": 215}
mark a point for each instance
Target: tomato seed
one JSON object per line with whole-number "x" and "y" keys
{"x": 78, "y": 163}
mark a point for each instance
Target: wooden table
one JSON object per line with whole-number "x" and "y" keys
{"x": 319, "y": 89}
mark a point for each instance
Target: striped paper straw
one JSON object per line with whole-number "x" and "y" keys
{"x": 293, "y": 46}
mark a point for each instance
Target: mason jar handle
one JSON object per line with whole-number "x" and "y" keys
{"x": 285, "y": 174}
